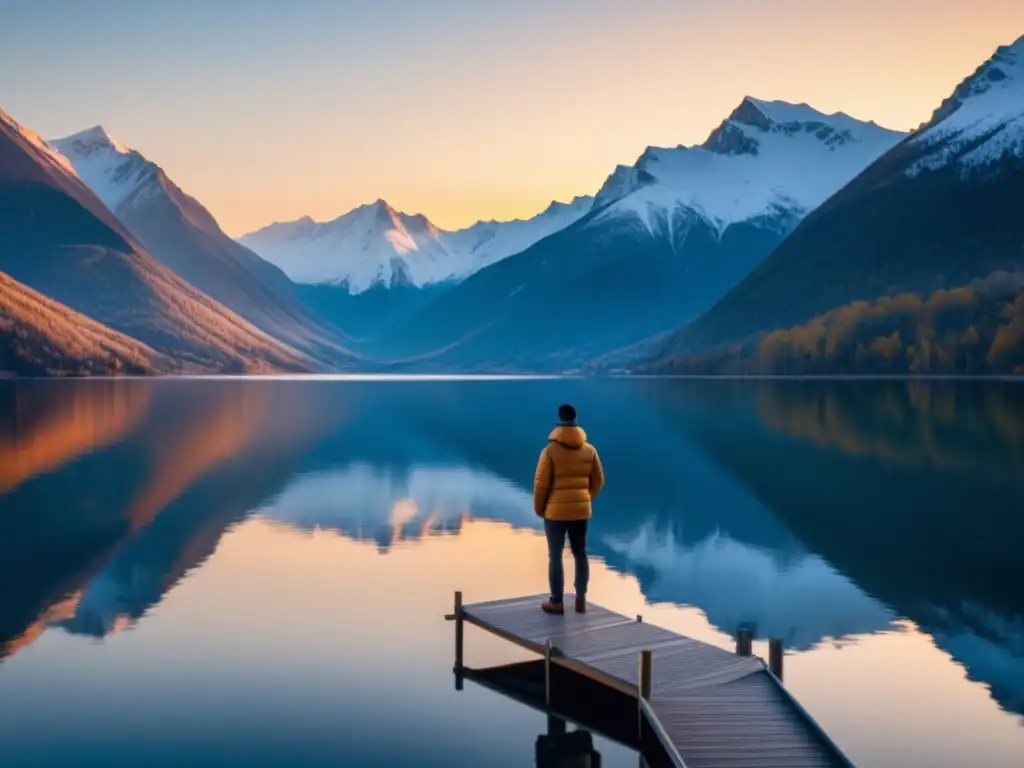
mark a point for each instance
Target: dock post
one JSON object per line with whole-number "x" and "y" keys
{"x": 547, "y": 673}
{"x": 644, "y": 677}
{"x": 775, "y": 656}
{"x": 556, "y": 725}
{"x": 643, "y": 688}
{"x": 459, "y": 626}
{"x": 744, "y": 644}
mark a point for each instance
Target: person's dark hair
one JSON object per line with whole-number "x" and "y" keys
{"x": 566, "y": 414}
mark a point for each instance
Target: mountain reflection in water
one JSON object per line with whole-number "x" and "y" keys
{"x": 808, "y": 511}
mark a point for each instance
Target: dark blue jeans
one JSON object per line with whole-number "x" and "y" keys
{"x": 556, "y": 531}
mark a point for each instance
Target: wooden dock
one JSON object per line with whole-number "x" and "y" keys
{"x": 707, "y": 707}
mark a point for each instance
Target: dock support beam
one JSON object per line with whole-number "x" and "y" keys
{"x": 547, "y": 673}
{"x": 556, "y": 725}
{"x": 643, "y": 688}
{"x": 744, "y": 644}
{"x": 775, "y": 656}
{"x": 645, "y": 676}
{"x": 459, "y": 629}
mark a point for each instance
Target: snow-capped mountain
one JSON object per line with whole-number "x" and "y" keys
{"x": 58, "y": 238}
{"x": 767, "y": 157}
{"x": 183, "y": 235}
{"x": 369, "y": 245}
{"x": 663, "y": 240}
{"x": 111, "y": 170}
{"x": 375, "y": 245}
{"x": 937, "y": 211}
{"x": 982, "y": 123}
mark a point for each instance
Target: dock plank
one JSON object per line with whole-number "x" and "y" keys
{"x": 746, "y": 722}
{"x": 719, "y": 710}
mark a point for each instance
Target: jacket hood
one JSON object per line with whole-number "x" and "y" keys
{"x": 570, "y": 437}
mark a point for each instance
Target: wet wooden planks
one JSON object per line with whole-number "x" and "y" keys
{"x": 717, "y": 709}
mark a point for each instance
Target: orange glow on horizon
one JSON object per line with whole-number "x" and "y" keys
{"x": 474, "y": 111}
{"x": 524, "y": 138}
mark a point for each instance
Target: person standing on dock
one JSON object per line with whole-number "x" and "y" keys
{"x": 569, "y": 476}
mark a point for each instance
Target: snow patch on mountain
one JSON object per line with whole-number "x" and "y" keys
{"x": 377, "y": 245}
{"x": 982, "y": 122}
{"x": 109, "y": 168}
{"x": 487, "y": 242}
{"x": 767, "y": 157}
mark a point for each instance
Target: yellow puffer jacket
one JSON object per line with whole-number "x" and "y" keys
{"x": 569, "y": 475}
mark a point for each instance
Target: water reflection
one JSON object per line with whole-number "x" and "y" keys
{"x": 150, "y": 505}
{"x": 41, "y": 431}
{"x": 561, "y": 747}
{"x": 801, "y": 599}
{"x": 389, "y": 504}
{"x": 911, "y": 489}
{"x": 813, "y": 512}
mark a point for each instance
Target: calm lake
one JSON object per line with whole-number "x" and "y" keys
{"x": 255, "y": 572}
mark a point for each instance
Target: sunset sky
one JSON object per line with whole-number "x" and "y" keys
{"x": 460, "y": 109}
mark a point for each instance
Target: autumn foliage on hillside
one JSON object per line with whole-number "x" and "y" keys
{"x": 974, "y": 329}
{"x": 41, "y": 337}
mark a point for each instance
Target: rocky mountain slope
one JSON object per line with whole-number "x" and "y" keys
{"x": 185, "y": 237}
{"x": 913, "y": 263}
{"x": 665, "y": 238}
{"x": 58, "y": 238}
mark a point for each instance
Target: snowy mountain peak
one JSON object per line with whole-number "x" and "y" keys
{"x": 766, "y": 157}
{"x": 982, "y": 122}
{"x": 784, "y": 113}
{"x": 385, "y": 215}
{"x": 386, "y": 218}
{"x": 91, "y": 140}
{"x": 112, "y": 170}
{"x": 1000, "y": 73}
{"x": 741, "y": 132}
{"x": 375, "y": 244}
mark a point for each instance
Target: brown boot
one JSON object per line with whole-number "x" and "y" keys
{"x": 552, "y": 607}
{"x": 581, "y": 605}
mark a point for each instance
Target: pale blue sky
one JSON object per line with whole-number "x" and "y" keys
{"x": 459, "y": 109}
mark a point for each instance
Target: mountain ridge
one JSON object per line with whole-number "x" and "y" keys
{"x": 754, "y": 147}
{"x": 184, "y": 236}
{"x": 910, "y": 267}
{"x": 59, "y": 239}
{"x": 662, "y": 241}
{"x": 377, "y": 245}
